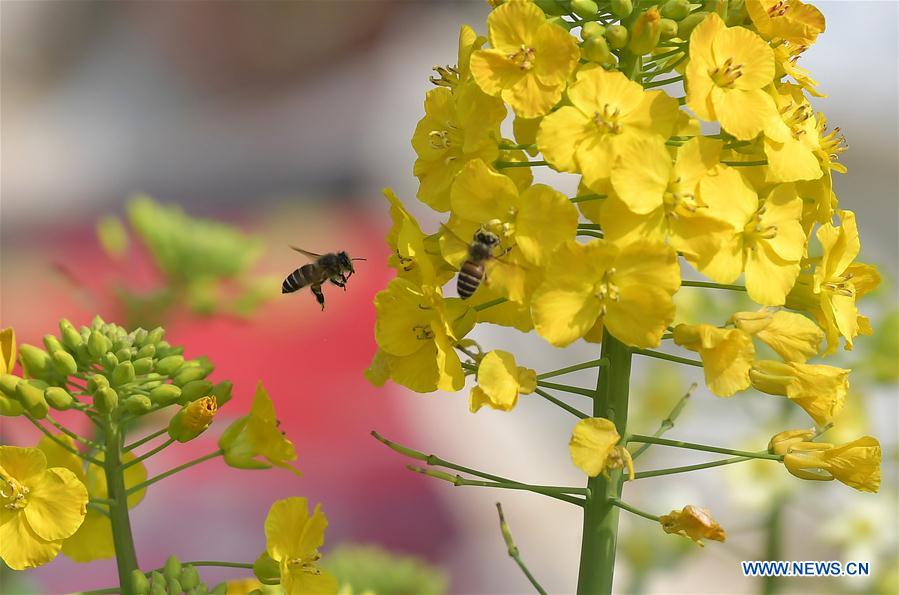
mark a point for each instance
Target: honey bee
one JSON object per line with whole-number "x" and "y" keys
{"x": 473, "y": 271}
{"x": 335, "y": 267}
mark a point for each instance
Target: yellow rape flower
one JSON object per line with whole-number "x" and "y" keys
{"x": 792, "y": 149}
{"x": 785, "y": 57}
{"x": 793, "y": 336}
{"x": 256, "y": 436}
{"x": 655, "y": 199}
{"x": 530, "y": 61}
{"x": 292, "y": 539}
{"x": 415, "y": 256}
{"x": 789, "y": 20}
{"x": 93, "y": 539}
{"x": 627, "y": 289}
{"x": 607, "y": 109}
{"x": 726, "y": 355}
{"x": 594, "y": 448}
{"x": 692, "y": 522}
{"x": 820, "y": 390}
{"x": 458, "y": 126}
{"x": 767, "y": 240}
{"x": 39, "y": 507}
{"x": 781, "y": 442}
{"x": 7, "y": 350}
{"x": 728, "y": 71}
{"x": 857, "y": 463}
{"x": 451, "y": 76}
{"x": 416, "y": 330}
{"x": 500, "y": 381}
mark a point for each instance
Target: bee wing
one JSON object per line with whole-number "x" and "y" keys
{"x": 446, "y": 228}
{"x": 310, "y": 255}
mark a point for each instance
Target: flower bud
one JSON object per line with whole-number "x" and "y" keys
{"x": 266, "y": 570}
{"x": 96, "y": 382}
{"x": 139, "y": 583}
{"x": 8, "y": 384}
{"x": 106, "y": 399}
{"x": 781, "y": 443}
{"x": 621, "y": 8}
{"x": 194, "y": 390}
{"x": 676, "y": 9}
{"x": 222, "y": 392}
{"x": 35, "y": 361}
{"x": 123, "y": 373}
{"x": 155, "y": 336}
{"x": 109, "y": 360}
{"x": 52, "y": 344}
{"x": 737, "y": 14}
{"x": 98, "y": 345}
{"x": 617, "y": 36}
{"x": 584, "y": 8}
{"x": 138, "y": 404}
{"x": 169, "y": 365}
{"x": 686, "y": 26}
{"x": 70, "y": 336}
{"x": 667, "y": 29}
{"x": 645, "y": 32}
{"x": 189, "y": 374}
{"x": 189, "y": 577}
{"x": 158, "y": 588}
{"x": 719, "y": 6}
{"x": 10, "y": 407}
{"x": 124, "y": 353}
{"x": 193, "y": 419}
{"x": 143, "y": 365}
{"x": 32, "y": 399}
{"x": 219, "y": 589}
{"x": 147, "y": 351}
{"x": 59, "y": 398}
{"x": 165, "y": 394}
{"x": 172, "y": 568}
{"x": 591, "y": 29}
{"x": 174, "y": 586}
{"x": 138, "y": 336}
{"x": 64, "y": 362}
{"x": 596, "y": 50}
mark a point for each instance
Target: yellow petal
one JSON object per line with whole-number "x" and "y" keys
{"x": 493, "y": 71}
{"x": 749, "y": 50}
{"x": 57, "y": 456}
{"x": 557, "y": 54}
{"x": 530, "y": 98}
{"x": 7, "y": 350}
{"x": 20, "y": 547}
{"x": 640, "y": 316}
{"x": 92, "y": 540}
{"x": 563, "y": 312}
{"x": 743, "y": 113}
{"x": 57, "y": 504}
{"x": 290, "y": 532}
{"x": 592, "y": 440}
{"x": 559, "y": 135}
{"x": 497, "y": 381}
{"x": 545, "y": 219}
{"x": 641, "y": 178}
{"x": 514, "y": 24}
{"x": 480, "y": 194}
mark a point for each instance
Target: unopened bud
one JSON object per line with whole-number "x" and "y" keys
{"x": 139, "y": 336}
{"x": 596, "y": 50}
{"x": 96, "y": 382}
{"x": 591, "y": 29}
{"x": 10, "y": 407}
{"x": 70, "y": 336}
{"x": 169, "y": 365}
{"x": 106, "y": 399}
{"x": 193, "y": 419}
{"x": 147, "y": 351}
{"x": 64, "y": 362}
{"x": 139, "y": 583}
{"x": 52, "y": 344}
{"x": 617, "y": 36}
{"x": 59, "y": 398}
{"x": 676, "y": 9}
{"x": 584, "y": 8}
{"x": 124, "y": 353}
{"x": 143, "y": 365}
{"x": 165, "y": 394}
{"x": 667, "y": 29}
{"x": 109, "y": 360}
{"x": 736, "y": 13}
{"x": 194, "y": 390}
{"x": 172, "y": 568}
{"x": 138, "y": 404}
{"x": 174, "y": 587}
{"x": 8, "y": 384}
{"x": 155, "y": 336}
{"x": 719, "y": 6}
{"x": 35, "y": 361}
{"x": 189, "y": 578}
{"x": 621, "y": 8}
{"x": 686, "y": 26}
{"x": 123, "y": 373}
{"x": 190, "y": 374}
{"x": 222, "y": 392}
{"x": 780, "y": 444}
{"x": 97, "y": 345}
{"x": 32, "y": 399}
{"x": 219, "y": 589}
{"x": 645, "y": 32}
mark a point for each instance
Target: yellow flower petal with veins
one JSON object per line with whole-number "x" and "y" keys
{"x": 857, "y": 463}
{"x": 789, "y": 20}
{"x": 726, "y": 355}
{"x": 820, "y": 390}
{"x": 500, "y": 381}
{"x": 292, "y": 538}
{"x": 793, "y": 336}
{"x": 594, "y": 447}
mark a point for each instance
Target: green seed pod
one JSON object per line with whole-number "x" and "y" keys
{"x": 110, "y": 361}
{"x": 59, "y": 398}
{"x": 584, "y": 8}
{"x": 621, "y": 8}
{"x": 52, "y": 344}
{"x": 676, "y": 9}
{"x": 190, "y": 374}
{"x": 554, "y": 8}
{"x": 220, "y": 589}
{"x": 171, "y": 570}
{"x": 686, "y": 26}
{"x": 64, "y": 362}
{"x": 189, "y": 578}
{"x": 10, "y": 407}
{"x": 35, "y": 361}
{"x": 32, "y": 399}
{"x": 222, "y": 392}
{"x": 138, "y": 404}
{"x": 195, "y": 389}
{"x": 8, "y": 384}
{"x": 123, "y": 373}
{"x": 169, "y": 365}
{"x": 596, "y": 49}
{"x": 155, "y": 336}
{"x": 165, "y": 394}
{"x": 96, "y": 382}
{"x": 645, "y": 32}
{"x": 140, "y": 584}
{"x": 143, "y": 365}
{"x": 70, "y": 336}
{"x": 147, "y": 351}
{"x": 591, "y": 29}
{"x": 98, "y": 345}
{"x": 106, "y": 400}
{"x": 617, "y": 36}
{"x": 667, "y": 29}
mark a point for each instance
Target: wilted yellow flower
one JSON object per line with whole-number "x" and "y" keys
{"x": 606, "y": 110}
{"x": 857, "y": 463}
{"x": 500, "y": 381}
{"x": 728, "y": 71}
{"x": 193, "y": 419}
{"x": 625, "y": 289}
{"x": 781, "y": 442}
{"x": 594, "y": 448}
{"x": 793, "y": 336}
{"x": 292, "y": 539}
{"x": 530, "y": 61}
{"x": 789, "y": 20}
{"x": 820, "y": 390}
{"x": 7, "y": 350}
{"x": 257, "y": 435}
{"x": 39, "y": 507}
{"x": 694, "y": 523}
{"x": 726, "y": 355}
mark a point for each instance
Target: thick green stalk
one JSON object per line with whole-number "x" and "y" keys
{"x": 600, "y": 534}
{"x": 126, "y": 557}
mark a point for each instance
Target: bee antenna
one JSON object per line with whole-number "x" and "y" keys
{"x": 358, "y": 259}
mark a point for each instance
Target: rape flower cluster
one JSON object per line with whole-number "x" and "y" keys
{"x": 699, "y": 154}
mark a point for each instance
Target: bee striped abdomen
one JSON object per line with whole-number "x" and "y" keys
{"x": 470, "y": 276}
{"x": 299, "y": 279}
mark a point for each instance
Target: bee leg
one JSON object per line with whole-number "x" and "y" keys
{"x": 339, "y": 281}
{"x": 319, "y": 296}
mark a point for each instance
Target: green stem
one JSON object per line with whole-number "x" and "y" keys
{"x": 508, "y": 164}
{"x": 62, "y": 444}
{"x": 688, "y": 468}
{"x": 458, "y": 480}
{"x": 490, "y": 304}
{"x": 600, "y": 533}
{"x": 147, "y": 438}
{"x": 762, "y": 454}
{"x": 561, "y": 404}
{"x": 633, "y": 509}
{"x": 186, "y": 465}
{"x": 773, "y": 551}
{"x": 98, "y": 508}
{"x": 668, "y": 422}
{"x": 126, "y": 557}
{"x": 513, "y": 550}
{"x": 663, "y": 82}
{"x": 745, "y": 163}
{"x": 668, "y": 357}
{"x": 594, "y": 363}
{"x": 566, "y": 388}
{"x": 148, "y": 454}
{"x": 516, "y": 147}
{"x": 73, "y": 435}
{"x": 712, "y": 285}
{"x": 586, "y": 197}
{"x": 662, "y": 56}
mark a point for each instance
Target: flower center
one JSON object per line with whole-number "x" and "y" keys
{"x": 423, "y": 332}
{"x": 779, "y": 9}
{"x": 832, "y": 143}
{"x": 305, "y": 565}
{"x": 607, "y": 290}
{"x": 607, "y": 121}
{"x": 755, "y": 230}
{"x": 447, "y": 76}
{"x": 14, "y": 494}
{"x": 523, "y": 58}
{"x": 794, "y": 116}
{"x": 726, "y": 74}
{"x": 679, "y": 197}
{"x": 445, "y": 138}
{"x": 840, "y": 285}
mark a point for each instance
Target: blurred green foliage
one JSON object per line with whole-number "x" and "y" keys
{"x": 369, "y": 568}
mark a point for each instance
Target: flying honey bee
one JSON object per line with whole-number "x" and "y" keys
{"x": 335, "y": 267}
{"x": 473, "y": 270}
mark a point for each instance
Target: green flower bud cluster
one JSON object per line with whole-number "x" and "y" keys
{"x": 121, "y": 372}
{"x": 373, "y": 569}
{"x": 175, "y": 579}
